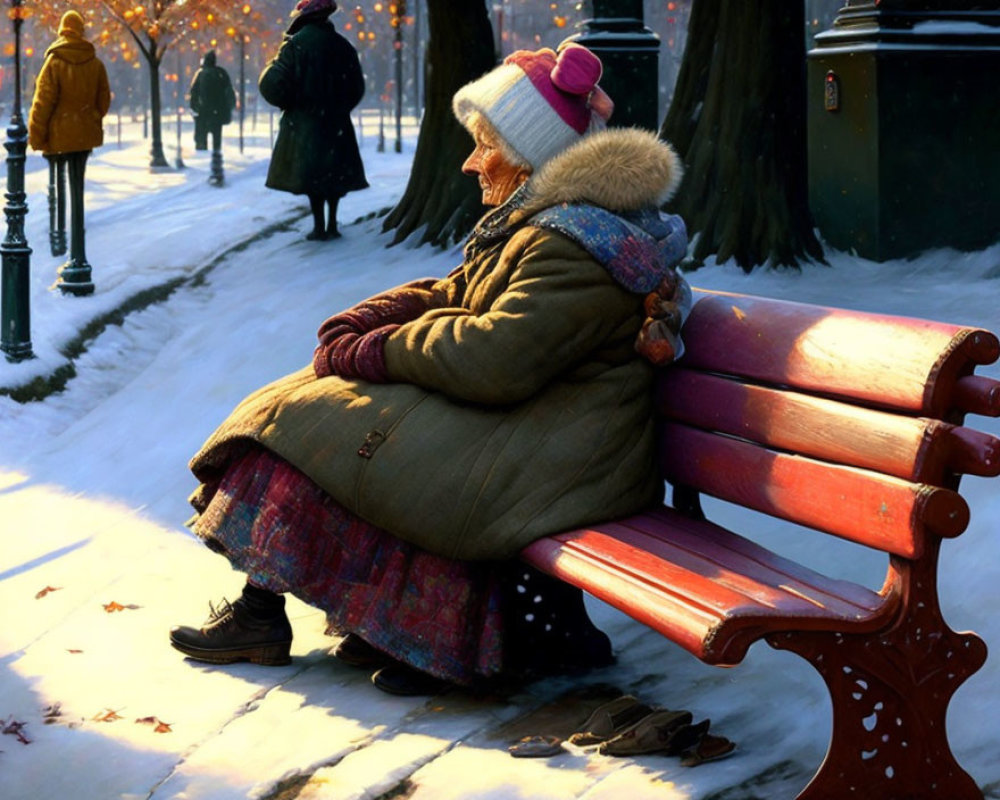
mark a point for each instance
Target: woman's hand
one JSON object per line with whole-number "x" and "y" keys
{"x": 354, "y": 355}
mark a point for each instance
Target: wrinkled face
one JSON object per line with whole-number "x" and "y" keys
{"x": 498, "y": 178}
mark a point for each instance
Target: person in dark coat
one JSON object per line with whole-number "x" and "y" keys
{"x": 316, "y": 81}
{"x": 212, "y": 100}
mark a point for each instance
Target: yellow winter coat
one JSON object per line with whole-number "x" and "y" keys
{"x": 72, "y": 96}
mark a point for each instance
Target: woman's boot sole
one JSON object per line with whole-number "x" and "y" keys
{"x": 268, "y": 655}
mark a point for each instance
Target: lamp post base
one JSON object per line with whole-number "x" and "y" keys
{"x": 74, "y": 278}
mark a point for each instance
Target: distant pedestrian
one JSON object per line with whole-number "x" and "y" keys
{"x": 212, "y": 101}
{"x": 72, "y": 96}
{"x": 316, "y": 81}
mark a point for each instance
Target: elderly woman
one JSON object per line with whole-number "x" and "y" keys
{"x": 446, "y": 424}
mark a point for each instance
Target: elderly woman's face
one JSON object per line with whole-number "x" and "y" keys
{"x": 498, "y": 178}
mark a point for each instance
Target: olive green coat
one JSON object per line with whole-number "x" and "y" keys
{"x": 518, "y": 408}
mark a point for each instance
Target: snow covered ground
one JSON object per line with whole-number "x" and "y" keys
{"x": 95, "y": 564}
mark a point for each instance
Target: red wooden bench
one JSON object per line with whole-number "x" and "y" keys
{"x": 847, "y": 423}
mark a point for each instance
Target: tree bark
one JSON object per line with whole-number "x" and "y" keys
{"x": 156, "y": 156}
{"x": 738, "y": 121}
{"x": 438, "y": 195}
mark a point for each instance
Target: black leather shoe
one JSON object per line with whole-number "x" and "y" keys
{"x": 357, "y": 652}
{"x": 398, "y": 678}
{"x": 232, "y": 633}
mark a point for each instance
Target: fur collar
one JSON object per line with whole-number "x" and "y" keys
{"x": 620, "y": 169}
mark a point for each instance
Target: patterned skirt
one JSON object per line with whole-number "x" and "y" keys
{"x": 275, "y": 524}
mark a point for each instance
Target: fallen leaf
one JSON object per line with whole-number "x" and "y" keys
{"x": 108, "y": 715}
{"x": 160, "y": 725}
{"x": 52, "y": 713}
{"x": 74, "y": 652}
{"x": 12, "y": 727}
{"x": 116, "y": 606}
{"x": 46, "y": 590}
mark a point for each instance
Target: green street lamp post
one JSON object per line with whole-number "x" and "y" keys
{"x": 630, "y": 53}
{"x": 15, "y": 313}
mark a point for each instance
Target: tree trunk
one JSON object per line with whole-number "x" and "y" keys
{"x": 438, "y": 195}
{"x": 156, "y": 157}
{"x": 738, "y": 121}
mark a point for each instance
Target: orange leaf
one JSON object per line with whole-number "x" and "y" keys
{"x": 147, "y": 720}
{"x": 116, "y": 606}
{"x": 163, "y": 727}
{"x": 46, "y": 590}
{"x": 108, "y": 715}
{"x": 74, "y": 652}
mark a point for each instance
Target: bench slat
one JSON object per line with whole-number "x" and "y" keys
{"x": 914, "y": 366}
{"x": 907, "y": 447}
{"x": 879, "y": 511}
{"x": 914, "y": 448}
{"x": 754, "y": 563}
{"x": 706, "y": 588}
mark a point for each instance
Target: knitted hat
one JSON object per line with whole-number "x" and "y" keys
{"x": 71, "y": 22}
{"x": 539, "y": 102}
{"x": 304, "y": 7}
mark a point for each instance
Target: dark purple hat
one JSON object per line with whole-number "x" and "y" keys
{"x": 304, "y": 7}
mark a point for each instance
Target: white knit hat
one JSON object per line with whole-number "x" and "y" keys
{"x": 539, "y": 102}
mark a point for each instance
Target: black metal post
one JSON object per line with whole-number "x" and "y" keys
{"x": 15, "y": 311}
{"x": 75, "y": 274}
{"x": 179, "y": 162}
{"x": 57, "y": 206}
{"x": 415, "y": 52}
{"x": 630, "y": 53}
{"x": 398, "y": 46}
{"x": 243, "y": 82}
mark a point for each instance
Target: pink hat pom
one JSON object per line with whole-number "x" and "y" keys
{"x": 577, "y": 69}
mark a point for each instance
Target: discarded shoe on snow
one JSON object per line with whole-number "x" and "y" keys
{"x": 654, "y": 733}
{"x": 709, "y": 748}
{"x": 536, "y": 747}
{"x": 626, "y": 726}
{"x": 609, "y": 720}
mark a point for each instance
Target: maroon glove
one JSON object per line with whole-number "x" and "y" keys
{"x": 354, "y": 355}
{"x": 390, "y": 308}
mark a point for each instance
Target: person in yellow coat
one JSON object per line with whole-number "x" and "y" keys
{"x": 72, "y": 96}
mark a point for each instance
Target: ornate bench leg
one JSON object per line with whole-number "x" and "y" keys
{"x": 890, "y": 694}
